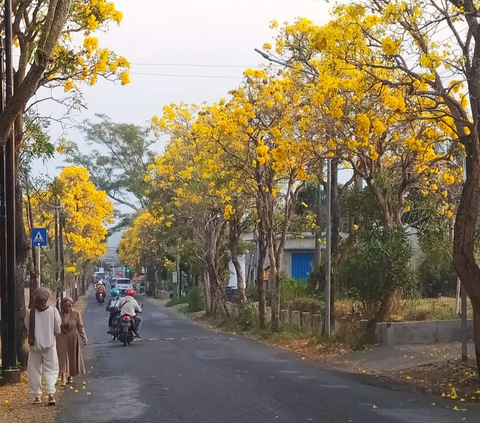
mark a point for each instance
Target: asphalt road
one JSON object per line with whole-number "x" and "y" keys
{"x": 181, "y": 372}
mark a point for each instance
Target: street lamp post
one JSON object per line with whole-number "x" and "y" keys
{"x": 328, "y": 273}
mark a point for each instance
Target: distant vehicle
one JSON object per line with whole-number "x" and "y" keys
{"x": 122, "y": 284}
{"x": 100, "y": 275}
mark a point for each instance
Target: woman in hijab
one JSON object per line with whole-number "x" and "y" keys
{"x": 43, "y": 323}
{"x": 68, "y": 345}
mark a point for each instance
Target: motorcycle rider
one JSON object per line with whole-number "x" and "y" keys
{"x": 112, "y": 306}
{"x": 128, "y": 305}
{"x": 100, "y": 289}
{"x": 114, "y": 293}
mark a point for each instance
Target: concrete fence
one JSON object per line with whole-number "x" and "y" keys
{"x": 388, "y": 333}
{"x": 162, "y": 295}
{"x": 306, "y": 322}
{"x": 401, "y": 333}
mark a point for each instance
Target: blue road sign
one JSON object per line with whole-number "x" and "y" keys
{"x": 39, "y": 237}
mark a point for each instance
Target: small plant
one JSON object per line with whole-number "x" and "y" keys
{"x": 292, "y": 288}
{"x": 252, "y": 293}
{"x": 247, "y": 317}
{"x": 195, "y": 300}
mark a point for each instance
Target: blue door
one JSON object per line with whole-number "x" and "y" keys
{"x": 301, "y": 265}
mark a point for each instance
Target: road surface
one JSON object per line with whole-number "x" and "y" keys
{"x": 181, "y": 372}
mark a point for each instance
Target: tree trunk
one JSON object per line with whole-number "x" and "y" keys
{"x": 382, "y": 313}
{"x": 476, "y": 333}
{"x": 274, "y": 278}
{"x": 262, "y": 255}
{"x": 234, "y": 241}
{"x": 23, "y": 251}
{"x": 150, "y": 280}
{"x": 240, "y": 279}
{"x": 206, "y": 290}
{"x": 465, "y": 223}
{"x": 34, "y": 267}
{"x": 218, "y": 301}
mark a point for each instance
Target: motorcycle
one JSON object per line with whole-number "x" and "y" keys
{"x": 126, "y": 333}
{"x": 101, "y": 299}
{"x": 115, "y": 327}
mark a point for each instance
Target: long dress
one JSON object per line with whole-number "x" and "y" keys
{"x": 70, "y": 357}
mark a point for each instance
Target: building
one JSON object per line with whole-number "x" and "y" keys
{"x": 297, "y": 257}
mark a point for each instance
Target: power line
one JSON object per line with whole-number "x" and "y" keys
{"x": 186, "y": 76}
{"x": 195, "y": 65}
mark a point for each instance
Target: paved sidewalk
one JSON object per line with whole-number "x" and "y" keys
{"x": 387, "y": 358}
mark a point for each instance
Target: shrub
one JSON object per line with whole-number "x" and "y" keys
{"x": 292, "y": 288}
{"x": 247, "y": 317}
{"x": 252, "y": 293}
{"x": 311, "y": 305}
{"x": 378, "y": 265}
{"x": 195, "y": 300}
{"x": 177, "y": 301}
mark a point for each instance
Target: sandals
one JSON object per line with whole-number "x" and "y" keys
{"x": 70, "y": 380}
{"x": 51, "y": 399}
{"x": 37, "y": 400}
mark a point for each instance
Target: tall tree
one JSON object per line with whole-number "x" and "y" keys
{"x": 50, "y": 57}
{"x": 118, "y": 160}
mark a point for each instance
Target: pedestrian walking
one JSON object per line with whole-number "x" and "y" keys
{"x": 43, "y": 323}
{"x": 68, "y": 342}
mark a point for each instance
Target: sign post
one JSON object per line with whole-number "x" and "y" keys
{"x": 39, "y": 240}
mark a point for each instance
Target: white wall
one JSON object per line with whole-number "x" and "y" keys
{"x": 232, "y": 283}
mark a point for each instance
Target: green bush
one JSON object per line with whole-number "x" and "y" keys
{"x": 252, "y": 293}
{"x": 177, "y": 301}
{"x": 195, "y": 299}
{"x": 378, "y": 265}
{"x": 247, "y": 317}
{"x": 292, "y": 288}
{"x": 311, "y": 305}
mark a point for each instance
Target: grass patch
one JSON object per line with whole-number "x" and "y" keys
{"x": 406, "y": 310}
{"x": 177, "y": 301}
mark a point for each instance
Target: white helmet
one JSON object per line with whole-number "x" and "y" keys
{"x": 100, "y": 282}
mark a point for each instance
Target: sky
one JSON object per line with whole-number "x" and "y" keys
{"x": 217, "y": 36}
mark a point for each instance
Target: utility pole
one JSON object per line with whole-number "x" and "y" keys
{"x": 328, "y": 276}
{"x": 318, "y": 232}
{"x": 179, "y": 276}
{"x": 3, "y": 226}
{"x": 9, "y": 360}
{"x": 463, "y": 291}
{"x": 56, "y": 247}
{"x": 60, "y": 245}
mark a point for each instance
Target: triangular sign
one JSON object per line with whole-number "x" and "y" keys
{"x": 38, "y": 238}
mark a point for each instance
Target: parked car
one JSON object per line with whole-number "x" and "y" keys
{"x": 113, "y": 282}
{"x": 123, "y": 284}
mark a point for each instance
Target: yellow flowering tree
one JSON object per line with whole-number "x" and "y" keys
{"x": 55, "y": 46}
{"x": 87, "y": 213}
{"x": 141, "y": 244}
{"x": 207, "y": 193}
{"x": 367, "y": 124}
{"x": 262, "y": 133}
{"x": 430, "y": 50}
